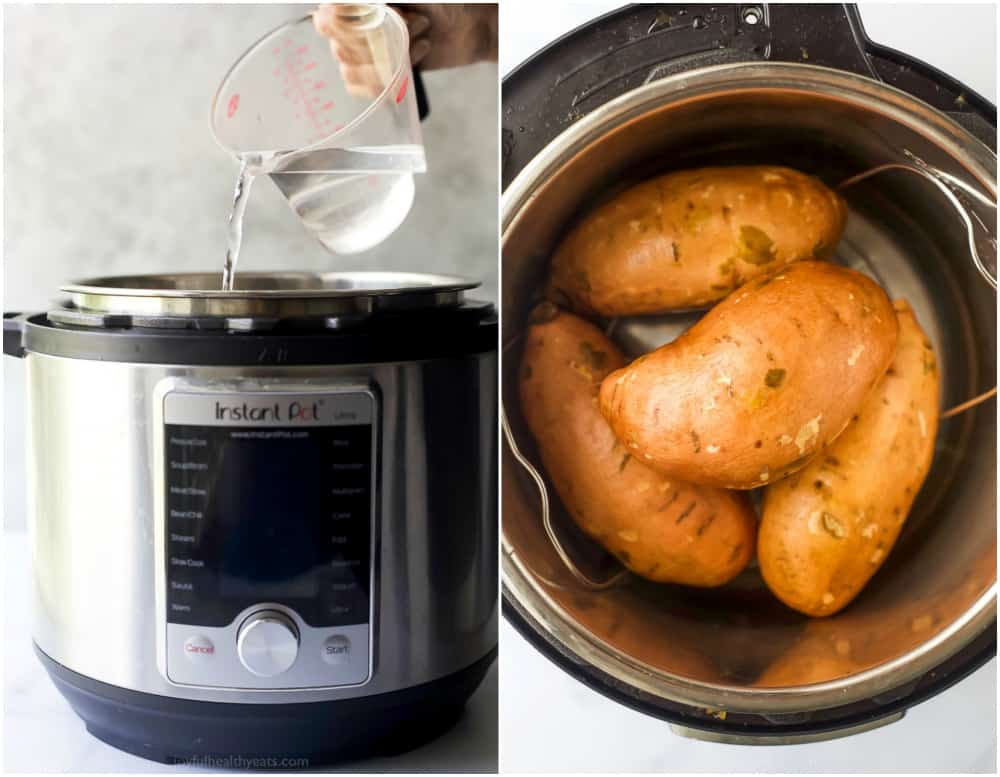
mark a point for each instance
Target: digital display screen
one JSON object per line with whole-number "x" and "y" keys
{"x": 261, "y": 515}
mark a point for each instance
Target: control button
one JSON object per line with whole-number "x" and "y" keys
{"x": 199, "y": 649}
{"x": 268, "y": 643}
{"x": 337, "y": 649}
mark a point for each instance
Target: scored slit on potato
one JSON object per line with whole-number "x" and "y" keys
{"x": 659, "y": 527}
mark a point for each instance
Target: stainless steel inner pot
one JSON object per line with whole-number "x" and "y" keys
{"x": 936, "y": 593}
{"x": 266, "y": 293}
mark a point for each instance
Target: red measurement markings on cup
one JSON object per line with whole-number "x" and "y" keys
{"x": 402, "y": 90}
{"x": 295, "y": 64}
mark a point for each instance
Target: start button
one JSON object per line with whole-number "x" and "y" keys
{"x": 199, "y": 649}
{"x": 337, "y": 649}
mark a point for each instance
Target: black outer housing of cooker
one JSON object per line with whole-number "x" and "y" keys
{"x": 617, "y": 52}
{"x": 238, "y": 735}
{"x": 267, "y": 736}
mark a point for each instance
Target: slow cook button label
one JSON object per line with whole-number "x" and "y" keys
{"x": 186, "y": 562}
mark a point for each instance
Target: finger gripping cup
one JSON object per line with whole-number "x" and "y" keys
{"x": 332, "y": 119}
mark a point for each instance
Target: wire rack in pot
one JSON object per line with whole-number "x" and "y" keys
{"x": 978, "y": 233}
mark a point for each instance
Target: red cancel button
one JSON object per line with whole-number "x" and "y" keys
{"x": 199, "y": 648}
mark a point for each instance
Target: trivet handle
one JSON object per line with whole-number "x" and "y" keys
{"x": 586, "y": 582}
{"x": 981, "y": 231}
{"x": 963, "y": 198}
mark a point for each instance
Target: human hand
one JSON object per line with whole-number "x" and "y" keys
{"x": 441, "y": 36}
{"x": 444, "y": 35}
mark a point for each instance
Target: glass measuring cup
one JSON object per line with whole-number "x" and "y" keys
{"x": 343, "y": 157}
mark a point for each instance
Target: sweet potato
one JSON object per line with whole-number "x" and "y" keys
{"x": 761, "y": 383}
{"x": 687, "y": 239}
{"x": 660, "y": 528}
{"x": 827, "y": 530}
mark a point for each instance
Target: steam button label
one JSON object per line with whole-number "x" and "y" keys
{"x": 337, "y": 650}
{"x": 199, "y": 649}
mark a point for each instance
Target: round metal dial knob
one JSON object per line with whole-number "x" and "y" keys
{"x": 267, "y": 643}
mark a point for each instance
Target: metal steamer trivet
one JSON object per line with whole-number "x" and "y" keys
{"x": 948, "y": 185}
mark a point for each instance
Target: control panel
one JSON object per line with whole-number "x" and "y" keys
{"x": 268, "y": 535}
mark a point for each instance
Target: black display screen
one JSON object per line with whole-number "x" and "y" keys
{"x": 259, "y": 515}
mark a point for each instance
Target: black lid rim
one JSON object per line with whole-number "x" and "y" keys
{"x": 468, "y": 330}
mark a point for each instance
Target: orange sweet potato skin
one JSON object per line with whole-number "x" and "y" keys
{"x": 689, "y": 238}
{"x": 826, "y": 530}
{"x": 761, "y": 383}
{"x": 660, "y": 528}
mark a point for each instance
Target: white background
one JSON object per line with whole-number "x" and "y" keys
{"x": 110, "y": 168}
{"x": 551, "y": 722}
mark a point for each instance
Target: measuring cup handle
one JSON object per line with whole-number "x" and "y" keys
{"x": 423, "y": 107}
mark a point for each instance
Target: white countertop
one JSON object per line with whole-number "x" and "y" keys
{"x": 42, "y": 734}
{"x": 552, "y": 722}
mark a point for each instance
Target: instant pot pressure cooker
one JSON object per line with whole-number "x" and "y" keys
{"x": 653, "y": 88}
{"x": 263, "y": 521}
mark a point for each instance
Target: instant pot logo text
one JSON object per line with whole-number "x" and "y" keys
{"x": 293, "y": 411}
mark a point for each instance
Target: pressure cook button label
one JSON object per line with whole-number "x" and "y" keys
{"x": 199, "y": 649}
{"x": 337, "y": 649}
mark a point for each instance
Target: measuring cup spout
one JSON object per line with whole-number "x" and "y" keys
{"x": 344, "y": 161}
